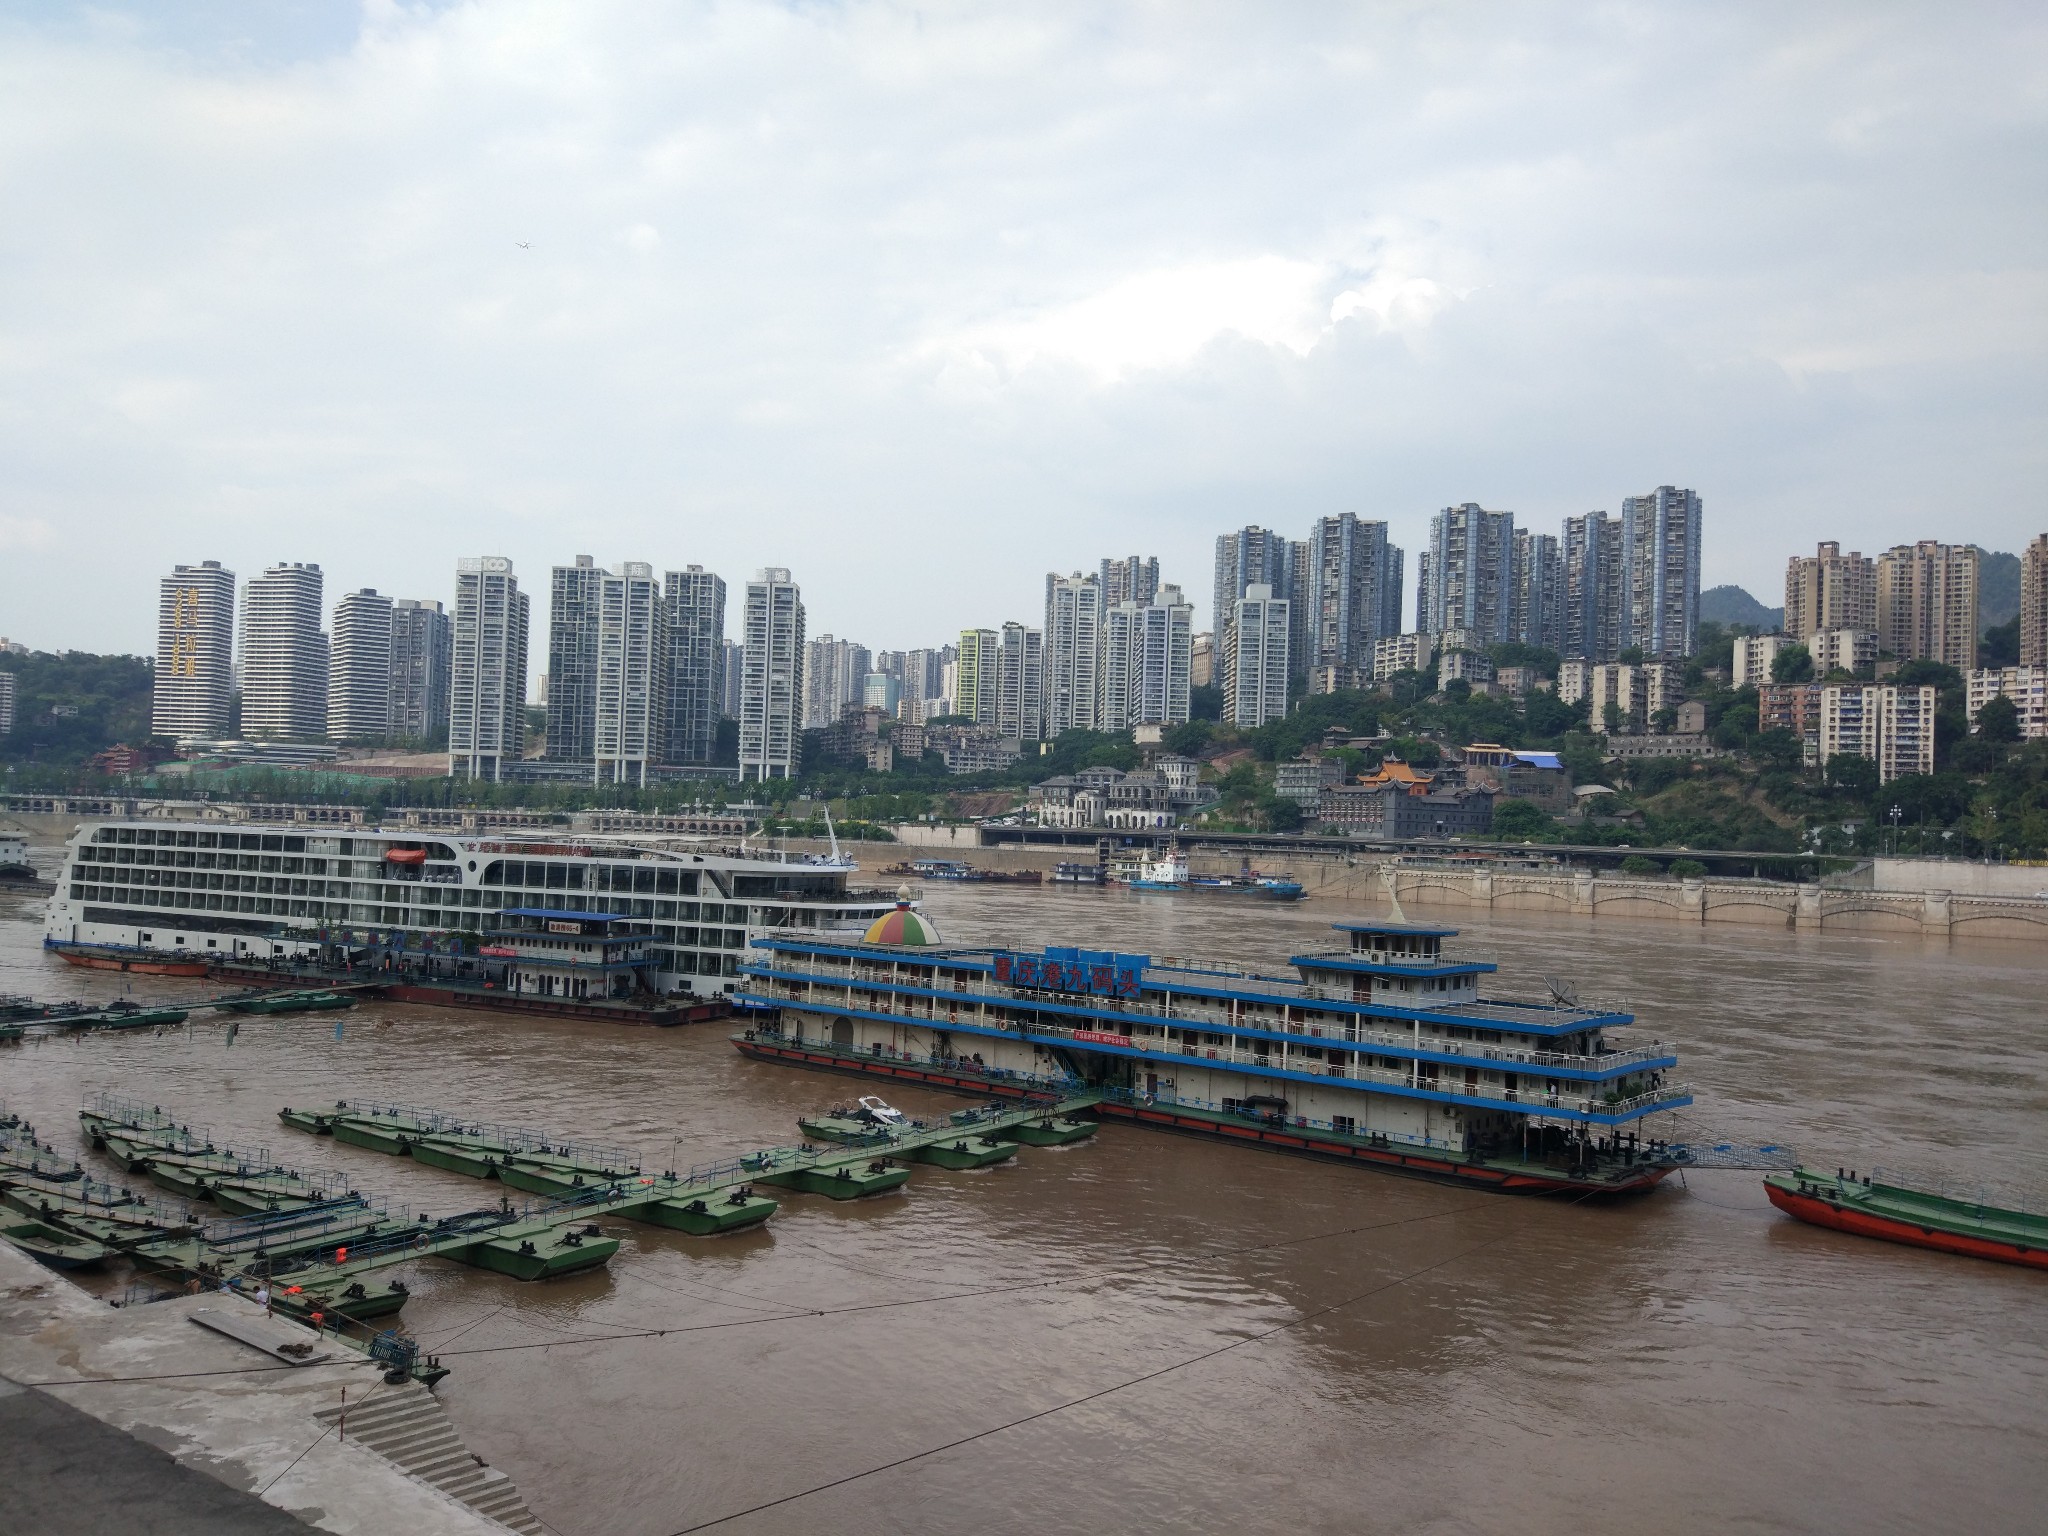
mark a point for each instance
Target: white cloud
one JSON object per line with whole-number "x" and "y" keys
{"x": 923, "y": 302}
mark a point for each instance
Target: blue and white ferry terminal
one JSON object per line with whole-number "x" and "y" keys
{"x": 1377, "y": 1051}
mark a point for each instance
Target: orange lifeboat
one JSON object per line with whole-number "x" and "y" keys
{"x": 405, "y": 856}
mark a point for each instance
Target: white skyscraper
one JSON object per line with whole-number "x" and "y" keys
{"x": 630, "y": 732}
{"x": 1073, "y": 652}
{"x": 195, "y": 653}
{"x": 1255, "y": 686}
{"x": 284, "y": 655}
{"x": 421, "y": 638}
{"x": 1020, "y": 683}
{"x": 487, "y": 672}
{"x": 771, "y": 689}
{"x": 359, "y": 676}
{"x": 1166, "y": 651}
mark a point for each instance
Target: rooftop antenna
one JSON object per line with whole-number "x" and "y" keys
{"x": 1562, "y": 992}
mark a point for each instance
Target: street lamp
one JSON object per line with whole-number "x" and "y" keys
{"x": 1895, "y": 813}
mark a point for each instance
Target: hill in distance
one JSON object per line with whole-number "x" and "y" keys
{"x": 1733, "y": 605}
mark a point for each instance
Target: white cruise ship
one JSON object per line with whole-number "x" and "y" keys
{"x": 496, "y": 912}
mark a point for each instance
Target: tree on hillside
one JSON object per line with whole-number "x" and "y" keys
{"x": 1999, "y": 720}
{"x": 1794, "y": 664}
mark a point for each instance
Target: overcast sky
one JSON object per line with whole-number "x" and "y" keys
{"x": 922, "y": 302}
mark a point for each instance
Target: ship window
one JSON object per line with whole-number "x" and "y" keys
{"x": 184, "y": 839}
{"x": 126, "y": 835}
{"x": 209, "y": 839}
{"x": 665, "y": 882}
{"x": 273, "y": 843}
{"x": 558, "y": 877}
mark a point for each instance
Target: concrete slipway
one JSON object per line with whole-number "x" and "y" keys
{"x": 137, "y": 1418}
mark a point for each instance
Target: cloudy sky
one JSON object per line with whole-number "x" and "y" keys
{"x": 923, "y": 301}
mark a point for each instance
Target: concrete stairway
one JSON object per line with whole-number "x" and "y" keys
{"x": 407, "y": 1427}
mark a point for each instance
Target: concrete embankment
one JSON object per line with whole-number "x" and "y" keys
{"x": 1364, "y": 880}
{"x": 137, "y": 1418}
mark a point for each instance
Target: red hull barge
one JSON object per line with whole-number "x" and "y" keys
{"x": 1822, "y": 1211}
{"x": 139, "y": 963}
{"x": 1522, "y": 1179}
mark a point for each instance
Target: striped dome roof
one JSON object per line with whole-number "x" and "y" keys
{"x": 902, "y": 926}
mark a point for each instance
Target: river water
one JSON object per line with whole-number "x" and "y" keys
{"x": 1147, "y": 1333}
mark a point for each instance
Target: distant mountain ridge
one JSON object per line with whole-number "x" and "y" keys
{"x": 1733, "y": 605}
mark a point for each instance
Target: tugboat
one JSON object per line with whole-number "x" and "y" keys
{"x": 1875, "y": 1207}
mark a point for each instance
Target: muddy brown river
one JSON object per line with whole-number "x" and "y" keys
{"x": 1146, "y": 1333}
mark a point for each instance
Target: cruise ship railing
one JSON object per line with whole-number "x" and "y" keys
{"x": 1110, "y": 1093}
{"x": 1533, "y": 1099}
{"x": 1458, "y": 956}
{"x": 1216, "y": 1019}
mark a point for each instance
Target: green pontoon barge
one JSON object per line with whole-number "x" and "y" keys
{"x": 1378, "y": 1051}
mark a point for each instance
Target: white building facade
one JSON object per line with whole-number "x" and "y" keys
{"x": 771, "y": 689}
{"x": 284, "y": 655}
{"x": 487, "y": 669}
{"x": 194, "y": 688}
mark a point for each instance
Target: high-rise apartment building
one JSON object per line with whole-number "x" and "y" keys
{"x": 1020, "y": 683}
{"x": 630, "y": 722}
{"x": 834, "y": 671}
{"x": 284, "y": 655}
{"x": 575, "y": 595}
{"x": 1537, "y": 613}
{"x": 195, "y": 653}
{"x": 1133, "y": 579}
{"x": 1074, "y": 609}
{"x": 487, "y": 669}
{"x": 1592, "y": 588}
{"x": 1660, "y": 538}
{"x": 359, "y": 669}
{"x": 772, "y": 687}
{"x": 1830, "y": 590}
{"x": 974, "y": 689}
{"x": 924, "y": 673}
{"x": 1927, "y": 603}
{"x": 421, "y": 641}
{"x": 1258, "y": 556}
{"x": 1471, "y": 574}
{"x": 735, "y": 667}
{"x": 1353, "y": 591}
{"x": 1166, "y": 633}
{"x": 8, "y": 701}
{"x": 1890, "y": 725}
{"x": 697, "y": 659}
{"x": 2034, "y": 604}
{"x": 1255, "y": 686}
{"x": 1148, "y": 662}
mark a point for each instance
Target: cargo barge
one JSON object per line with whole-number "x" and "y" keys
{"x": 632, "y": 929}
{"x": 1380, "y": 1053}
{"x": 1881, "y": 1208}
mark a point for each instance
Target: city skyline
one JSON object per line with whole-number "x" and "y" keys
{"x": 427, "y": 334}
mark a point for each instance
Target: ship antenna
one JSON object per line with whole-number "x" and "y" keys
{"x": 834, "y": 836}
